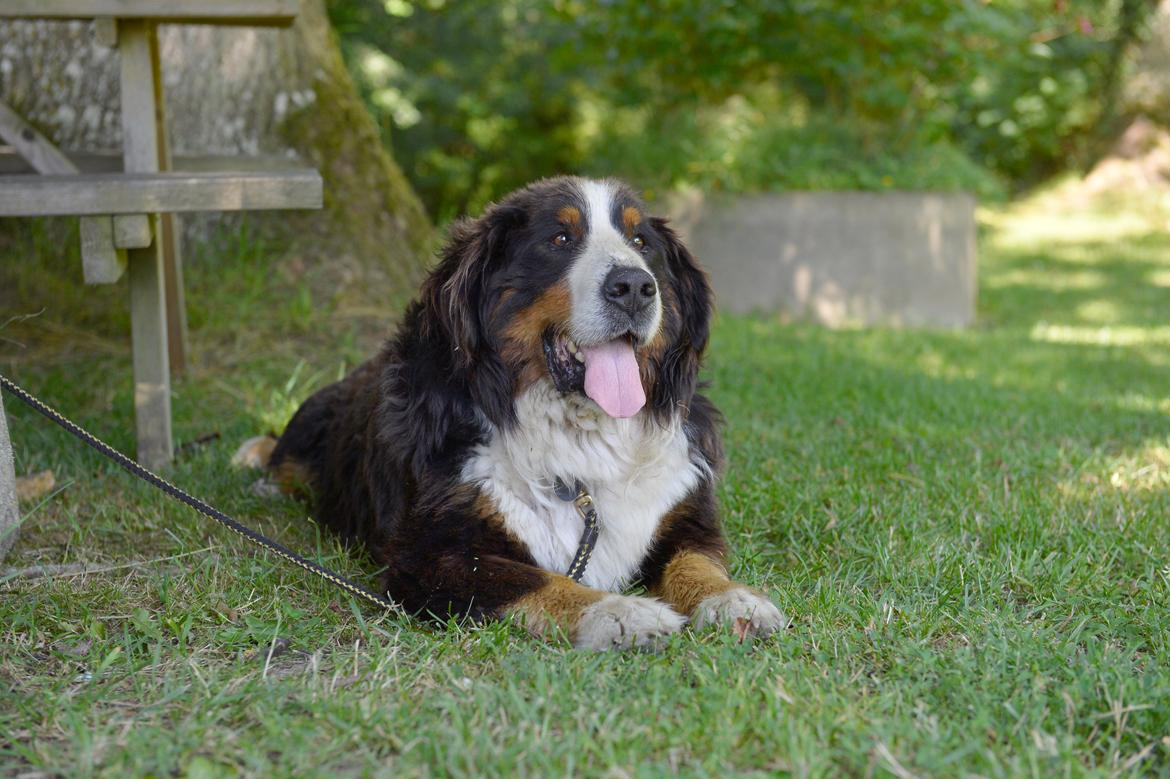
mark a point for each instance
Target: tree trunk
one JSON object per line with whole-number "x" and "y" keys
{"x": 1131, "y": 18}
{"x": 239, "y": 90}
{"x": 1147, "y": 90}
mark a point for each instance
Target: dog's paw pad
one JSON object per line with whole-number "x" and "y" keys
{"x": 759, "y": 616}
{"x": 626, "y": 622}
{"x": 263, "y": 488}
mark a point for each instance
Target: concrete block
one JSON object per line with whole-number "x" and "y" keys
{"x": 837, "y": 258}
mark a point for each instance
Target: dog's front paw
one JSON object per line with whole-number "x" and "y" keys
{"x": 626, "y": 622}
{"x": 760, "y": 615}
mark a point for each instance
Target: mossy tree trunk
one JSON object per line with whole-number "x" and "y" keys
{"x": 242, "y": 91}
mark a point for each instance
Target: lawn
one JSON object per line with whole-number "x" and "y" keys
{"x": 970, "y": 530}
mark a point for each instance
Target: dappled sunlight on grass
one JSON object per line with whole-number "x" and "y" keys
{"x": 1018, "y": 228}
{"x": 1076, "y": 275}
{"x": 1143, "y": 470}
{"x": 1101, "y": 336}
{"x": 1104, "y": 312}
{"x": 1121, "y": 486}
{"x": 1040, "y": 278}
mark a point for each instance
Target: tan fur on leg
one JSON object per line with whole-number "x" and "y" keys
{"x": 689, "y": 579}
{"x": 699, "y": 587}
{"x": 556, "y": 605}
{"x": 255, "y": 452}
{"x": 593, "y": 619}
{"x": 292, "y": 478}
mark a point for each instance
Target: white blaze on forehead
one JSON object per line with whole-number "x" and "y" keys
{"x": 604, "y": 237}
{"x": 606, "y": 247}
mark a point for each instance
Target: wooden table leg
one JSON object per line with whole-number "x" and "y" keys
{"x": 138, "y": 45}
{"x": 9, "y": 512}
{"x": 171, "y": 231}
{"x": 176, "y": 301}
{"x": 152, "y": 371}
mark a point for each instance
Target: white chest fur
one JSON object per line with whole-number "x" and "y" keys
{"x": 635, "y": 469}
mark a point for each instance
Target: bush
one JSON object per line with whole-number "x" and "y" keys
{"x": 754, "y": 144}
{"x": 481, "y": 97}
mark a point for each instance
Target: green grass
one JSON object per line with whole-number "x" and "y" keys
{"x": 969, "y": 528}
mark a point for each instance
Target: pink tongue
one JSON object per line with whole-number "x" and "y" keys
{"x": 612, "y": 378}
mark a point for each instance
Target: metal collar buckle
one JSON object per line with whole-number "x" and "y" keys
{"x": 587, "y": 510}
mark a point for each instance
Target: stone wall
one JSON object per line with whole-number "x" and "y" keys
{"x": 838, "y": 258}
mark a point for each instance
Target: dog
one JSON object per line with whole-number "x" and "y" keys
{"x": 557, "y": 342}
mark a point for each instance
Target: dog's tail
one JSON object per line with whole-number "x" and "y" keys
{"x": 255, "y": 452}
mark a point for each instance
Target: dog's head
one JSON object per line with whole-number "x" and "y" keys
{"x": 571, "y": 280}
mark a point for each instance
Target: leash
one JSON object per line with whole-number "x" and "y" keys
{"x": 581, "y": 499}
{"x": 583, "y": 502}
{"x": 206, "y": 510}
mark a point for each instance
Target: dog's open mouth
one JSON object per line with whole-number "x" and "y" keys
{"x": 607, "y": 372}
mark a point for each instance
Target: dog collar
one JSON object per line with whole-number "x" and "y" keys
{"x": 587, "y": 510}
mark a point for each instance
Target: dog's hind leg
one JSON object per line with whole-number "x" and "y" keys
{"x": 255, "y": 452}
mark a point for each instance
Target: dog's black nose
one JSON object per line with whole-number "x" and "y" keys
{"x": 630, "y": 289}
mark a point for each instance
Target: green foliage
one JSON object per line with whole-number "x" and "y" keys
{"x": 754, "y": 143}
{"x": 482, "y": 97}
{"x": 474, "y": 109}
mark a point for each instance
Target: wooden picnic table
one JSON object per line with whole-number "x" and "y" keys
{"x": 9, "y": 515}
{"x": 127, "y": 213}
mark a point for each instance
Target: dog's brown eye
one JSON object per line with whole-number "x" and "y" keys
{"x": 561, "y": 239}
{"x": 639, "y": 243}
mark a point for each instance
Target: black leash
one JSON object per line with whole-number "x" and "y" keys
{"x": 181, "y": 496}
{"x": 580, "y": 498}
{"x": 583, "y": 502}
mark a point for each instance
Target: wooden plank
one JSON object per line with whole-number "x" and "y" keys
{"x": 91, "y": 162}
{"x": 132, "y": 231}
{"x": 148, "y": 315}
{"x": 38, "y": 150}
{"x": 136, "y": 193}
{"x": 9, "y": 510}
{"x": 168, "y": 234}
{"x": 101, "y": 261}
{"x": 279, "y": 13}
{"x": 105, "y": 32}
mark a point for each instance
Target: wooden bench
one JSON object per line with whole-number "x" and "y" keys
{"x": 127, "y": 206}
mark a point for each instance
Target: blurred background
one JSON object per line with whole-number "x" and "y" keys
{"x": 989, "y": 97}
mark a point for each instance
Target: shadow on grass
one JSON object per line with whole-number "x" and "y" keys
{"x": 1122, "y": 283}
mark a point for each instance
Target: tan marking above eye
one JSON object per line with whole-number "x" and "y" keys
{"x": 631, "y": 218}
{"x": 570, "y": 217}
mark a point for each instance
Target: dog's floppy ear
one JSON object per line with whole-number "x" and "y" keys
{"x": 679, "y": 369}
{"x": 456, "y": 292}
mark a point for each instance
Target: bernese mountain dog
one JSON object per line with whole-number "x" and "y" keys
{"x": 557, "y": 342}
